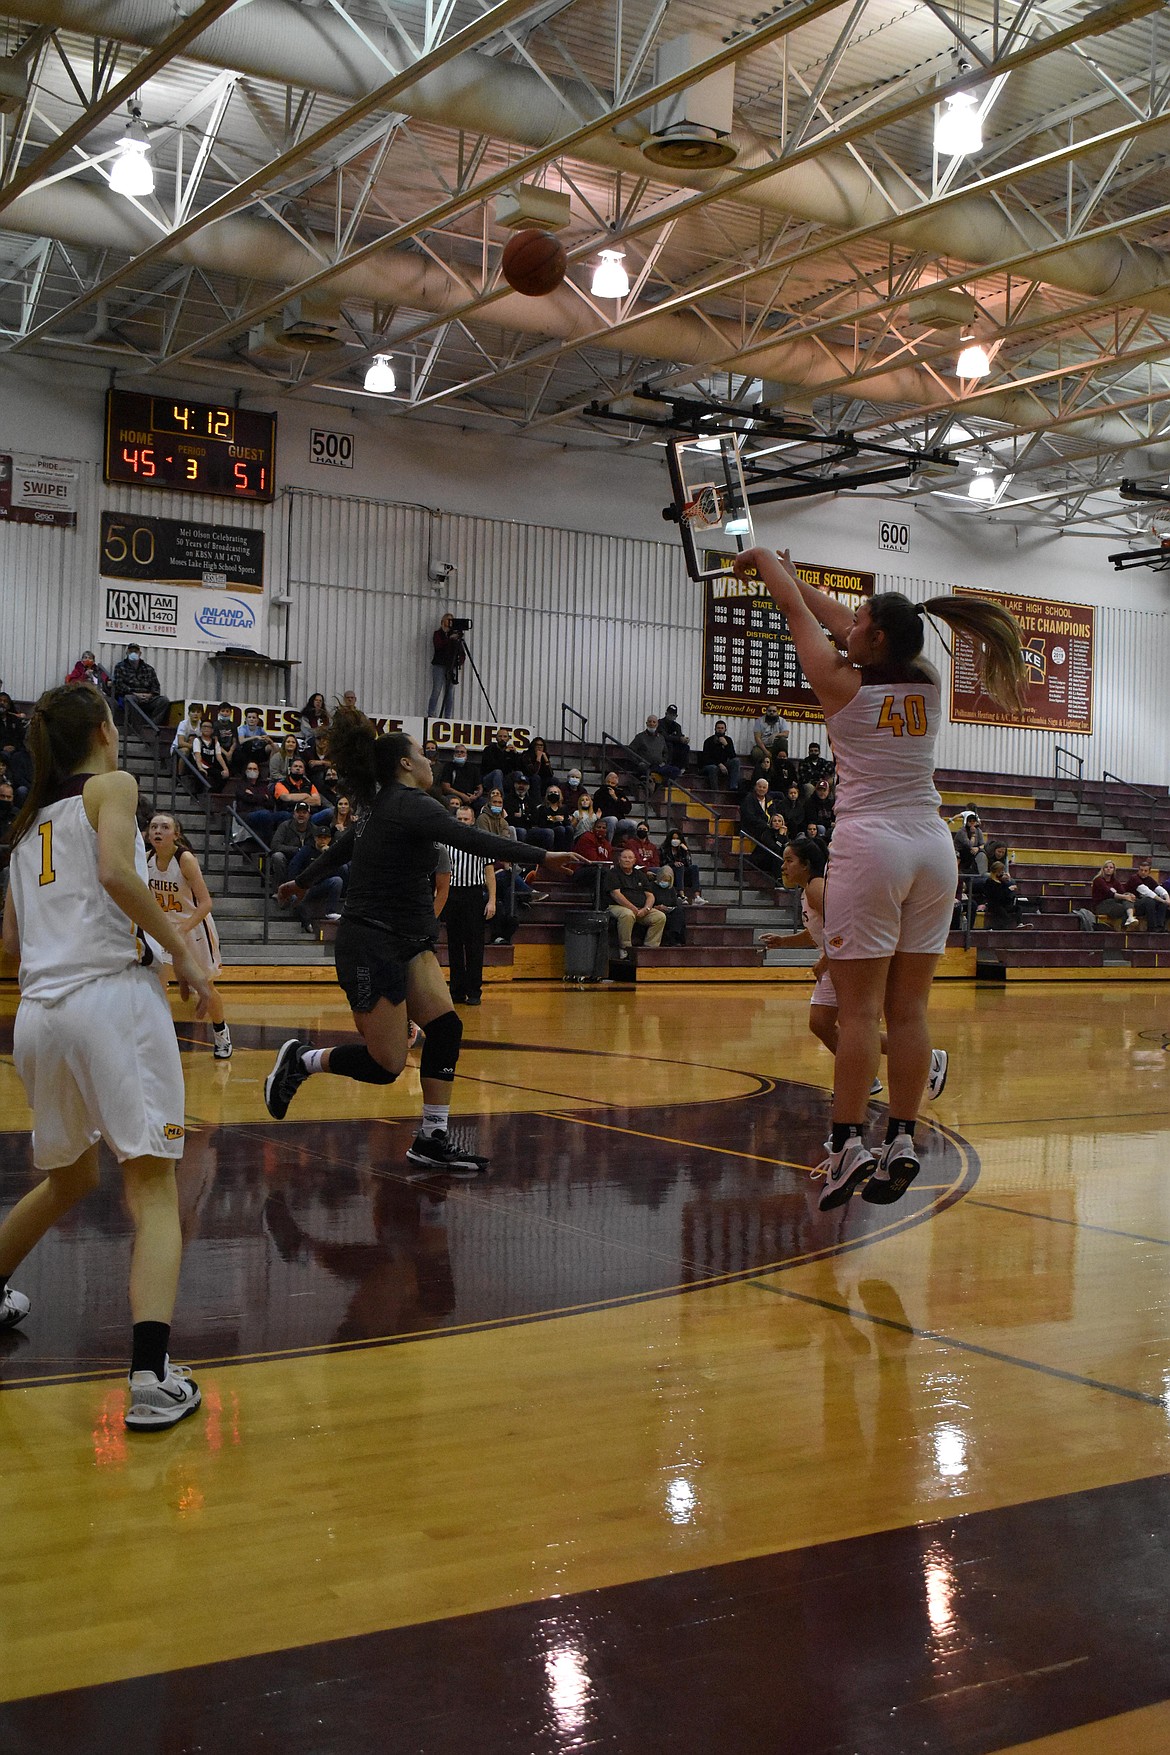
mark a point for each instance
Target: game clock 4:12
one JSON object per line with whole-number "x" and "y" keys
{"x": 190, "y": 447}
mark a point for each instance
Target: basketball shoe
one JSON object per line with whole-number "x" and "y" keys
{"x": 14, "y": 1307}
{"x": 844, "y": 1171}
{"x": 223, "y": 1042}
{"x": 437, "y": 1152}
{"x": 939, "y": 1061}
{"x": 154, "y": 1404}
{"x": 897, "y": 1167}
{"x": 285, "y": 1080}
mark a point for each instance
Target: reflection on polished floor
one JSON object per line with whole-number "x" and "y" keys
{"x": 626, "y": 1448}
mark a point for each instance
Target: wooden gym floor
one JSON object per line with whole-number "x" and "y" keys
{"x": 624, "y": 1448}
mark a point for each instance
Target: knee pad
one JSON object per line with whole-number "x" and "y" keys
{"x": 440, "y": 1053}
{"x": 353, "y": 1060}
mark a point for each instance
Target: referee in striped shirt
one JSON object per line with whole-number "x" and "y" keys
{"x": 471, "y": 903}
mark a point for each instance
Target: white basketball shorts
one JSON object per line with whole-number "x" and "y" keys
{"x": 824, "y": 993}
{"x": 889, "y": 889}
{"x": 204, "y": 943}
{"x": 102, "y": 1063}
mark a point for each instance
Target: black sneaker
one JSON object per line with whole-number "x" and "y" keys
{"x": 436, "y": 1152}
{"x": 285, "y": 1080}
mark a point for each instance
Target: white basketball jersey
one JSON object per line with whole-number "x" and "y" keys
{"x": 173, "y": 894}
{"x": 814, "y": 923}
{"x": 70, "y": 930}
{"x": 883, "y": 744}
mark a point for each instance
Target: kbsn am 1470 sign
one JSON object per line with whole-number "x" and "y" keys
{"x": 749, "y": 660}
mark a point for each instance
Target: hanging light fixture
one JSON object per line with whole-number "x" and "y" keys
{"x": 610, "y": 280}
{"x": 380, "y": 375}
{"x": 982, "y": 484}
{"x": 958, "y": 126}
{"x": 132, "y": 172}
{"x": 973, "y": 361}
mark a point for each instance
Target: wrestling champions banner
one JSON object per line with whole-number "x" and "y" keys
{"x": 1058, "y": 649}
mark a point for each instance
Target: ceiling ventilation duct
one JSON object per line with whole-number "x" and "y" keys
{"x": 690, "y": 131}
{"x": 311, "y": 321}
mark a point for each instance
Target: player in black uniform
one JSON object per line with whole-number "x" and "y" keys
{"x": 386, "y": 960}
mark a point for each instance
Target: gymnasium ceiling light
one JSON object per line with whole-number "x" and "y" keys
{"x": 973, "y": 362}
{"x": 958, "y": 126}
{"x": 380, "y": 375}
{"x": 132, "y": 172}
{"x": 982, "y": 484}
{"x": 610, "y": 280}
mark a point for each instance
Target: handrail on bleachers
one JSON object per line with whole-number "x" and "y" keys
{"x": 578, "y": 737}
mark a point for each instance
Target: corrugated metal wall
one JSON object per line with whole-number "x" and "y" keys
{"x": 609, "y": 624}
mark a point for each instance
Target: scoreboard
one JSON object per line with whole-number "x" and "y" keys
{"x": 190, "y": 447}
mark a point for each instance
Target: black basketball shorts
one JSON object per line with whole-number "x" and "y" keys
{"x": 372, "y": 963}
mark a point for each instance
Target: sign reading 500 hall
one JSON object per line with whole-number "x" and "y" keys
{"x": 749, "y": 660}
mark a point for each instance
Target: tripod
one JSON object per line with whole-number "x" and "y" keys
{"x": 478, "y": 678}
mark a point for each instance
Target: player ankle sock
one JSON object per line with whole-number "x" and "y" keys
{"x": 434, "y": 1119}
{"x": 150, "y": 1348}
{"x": 894, "y": 1128}
{"x": 313, "y": 1059}
{"x": 845, "y": 1130}
{"x": 222, "y": 1029}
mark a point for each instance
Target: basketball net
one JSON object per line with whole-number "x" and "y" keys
{"x": 704, "y": 510}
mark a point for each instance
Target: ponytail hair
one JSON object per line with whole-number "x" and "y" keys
{"x": 363, "y": 760}
{"x": 811, "y": 854}
{"x": 993, "y": 631}
{"x": 61, "y": 733}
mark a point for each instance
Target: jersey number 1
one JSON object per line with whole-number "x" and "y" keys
{"x": 912, "y": 720}
{"x": 48, "y": 875}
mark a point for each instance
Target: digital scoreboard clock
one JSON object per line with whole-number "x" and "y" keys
{"x": 190, "y": 447}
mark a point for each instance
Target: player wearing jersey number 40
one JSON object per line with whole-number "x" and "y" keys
{"x": 93, "y": 1040}
{"x": 891, "y": 882}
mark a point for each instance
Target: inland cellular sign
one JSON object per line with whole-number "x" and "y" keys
{"x": 190, "y": 447}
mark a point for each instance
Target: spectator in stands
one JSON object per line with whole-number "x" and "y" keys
{"x": 255, "y": 803}
{"x": 646, "y": 855}
{"x": 323, "y": 898}
{"x": 501, "y": 759}
{"x": 677, "y": 854}
{"x": 785, "y": 773}
{"x": 186, "y": 731}
{"x": 8, "y": 808}
{"x": 818, "y": 812}
{"x": 651, "y": 752}
{"x": 769, "y": 735}
{"x": 206, "y": 758}
{"x": 615, "y": 807}
{"x": 137, "y": 681}
{"x": 343, "y": 815}
{"x": 294, "y": 834}
{"x": 792, "y": 809}
{"x": 971, "y": 846}
{"x": 814, "y": 767}
{"x": 253, "y": 744}
{"x": 1001, "y": 900}
{"x": 521, "y": 808}
{"x": 761, "y": 770}
{"x": 447, "y": 659}
{"x": 314, "y": 717}
{"x": 13, "y": 725}
{"x": 535, "y": 763}
{"x": 1151, "y": 900}
{"x": 459, "y": 782}
{"x": 756, "y": 810}
{"x": 88, "y": 670}
{"x": 296, "y": 788}
{"x": 551, "y": 815}
{"x": 228, "y": 745}
{"x": 666, "y": 897}
{"x": 631, "y": 902}
{"x": 677, "y": 742}
{"x": 585, "y": 818}
{"x": 349, "y": 699}
{"x": 280, "y": 760}
{"x": 573, "y": 788}
{"x": 719, "y": 758}
{"x": 1111, "y": 900}
{"x": 595, "y": 846}
{"x": 513, "y": 889}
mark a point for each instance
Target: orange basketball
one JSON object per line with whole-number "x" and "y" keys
{"x": 534, "y": 263}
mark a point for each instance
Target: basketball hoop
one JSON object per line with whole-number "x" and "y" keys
{"x": 705, "y": 509}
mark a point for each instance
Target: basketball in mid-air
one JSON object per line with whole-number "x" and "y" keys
{"x": 534, "y": 263}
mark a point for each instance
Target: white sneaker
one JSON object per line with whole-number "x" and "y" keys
{"x": 223, "y": 1044}
{"x": 14, "y": 1307}
{"x": 844, "y": 1171}
{"x": 897, "y": 1167}
{"x": 154, "y": 1404}
{"x": 875, "y": 1090}
{"x": 939, "y": 1061}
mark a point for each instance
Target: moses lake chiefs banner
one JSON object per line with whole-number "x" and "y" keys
{"x": 1058, "y": 641}
{"x": 749, "y": 660}
{"x": 474, "y": 735}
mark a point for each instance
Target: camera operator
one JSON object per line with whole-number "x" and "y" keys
{"x": 447, "y": 660}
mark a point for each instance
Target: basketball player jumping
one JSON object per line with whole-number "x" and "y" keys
{"x": 93, "y": 1041}
{"x": 385, "y": 952}
{"x": 893, "y": 877}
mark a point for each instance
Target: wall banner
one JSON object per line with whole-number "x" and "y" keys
{"x": 447, "y": 733}
{"x": 749, "y": 660}
{"x": 189, "y": 618}
{"x": 39, "y": 490}
{"x": 1058, "y": 649}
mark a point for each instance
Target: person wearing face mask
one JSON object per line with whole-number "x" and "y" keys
{"x": 666, "y": 898}
{"x": 514, "y": 889}
{"x": 573, "y": 788}
{"x": 459, "y": 782}
{"x": 645, "y": 853}
{"x": 675, "y": 853}
{"x": 137, "y": 681}
{"x": 254, "y": 804}
{"x": 551, "y": 816}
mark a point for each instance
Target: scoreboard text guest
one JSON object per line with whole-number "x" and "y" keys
{"x": 190, "y": 447}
